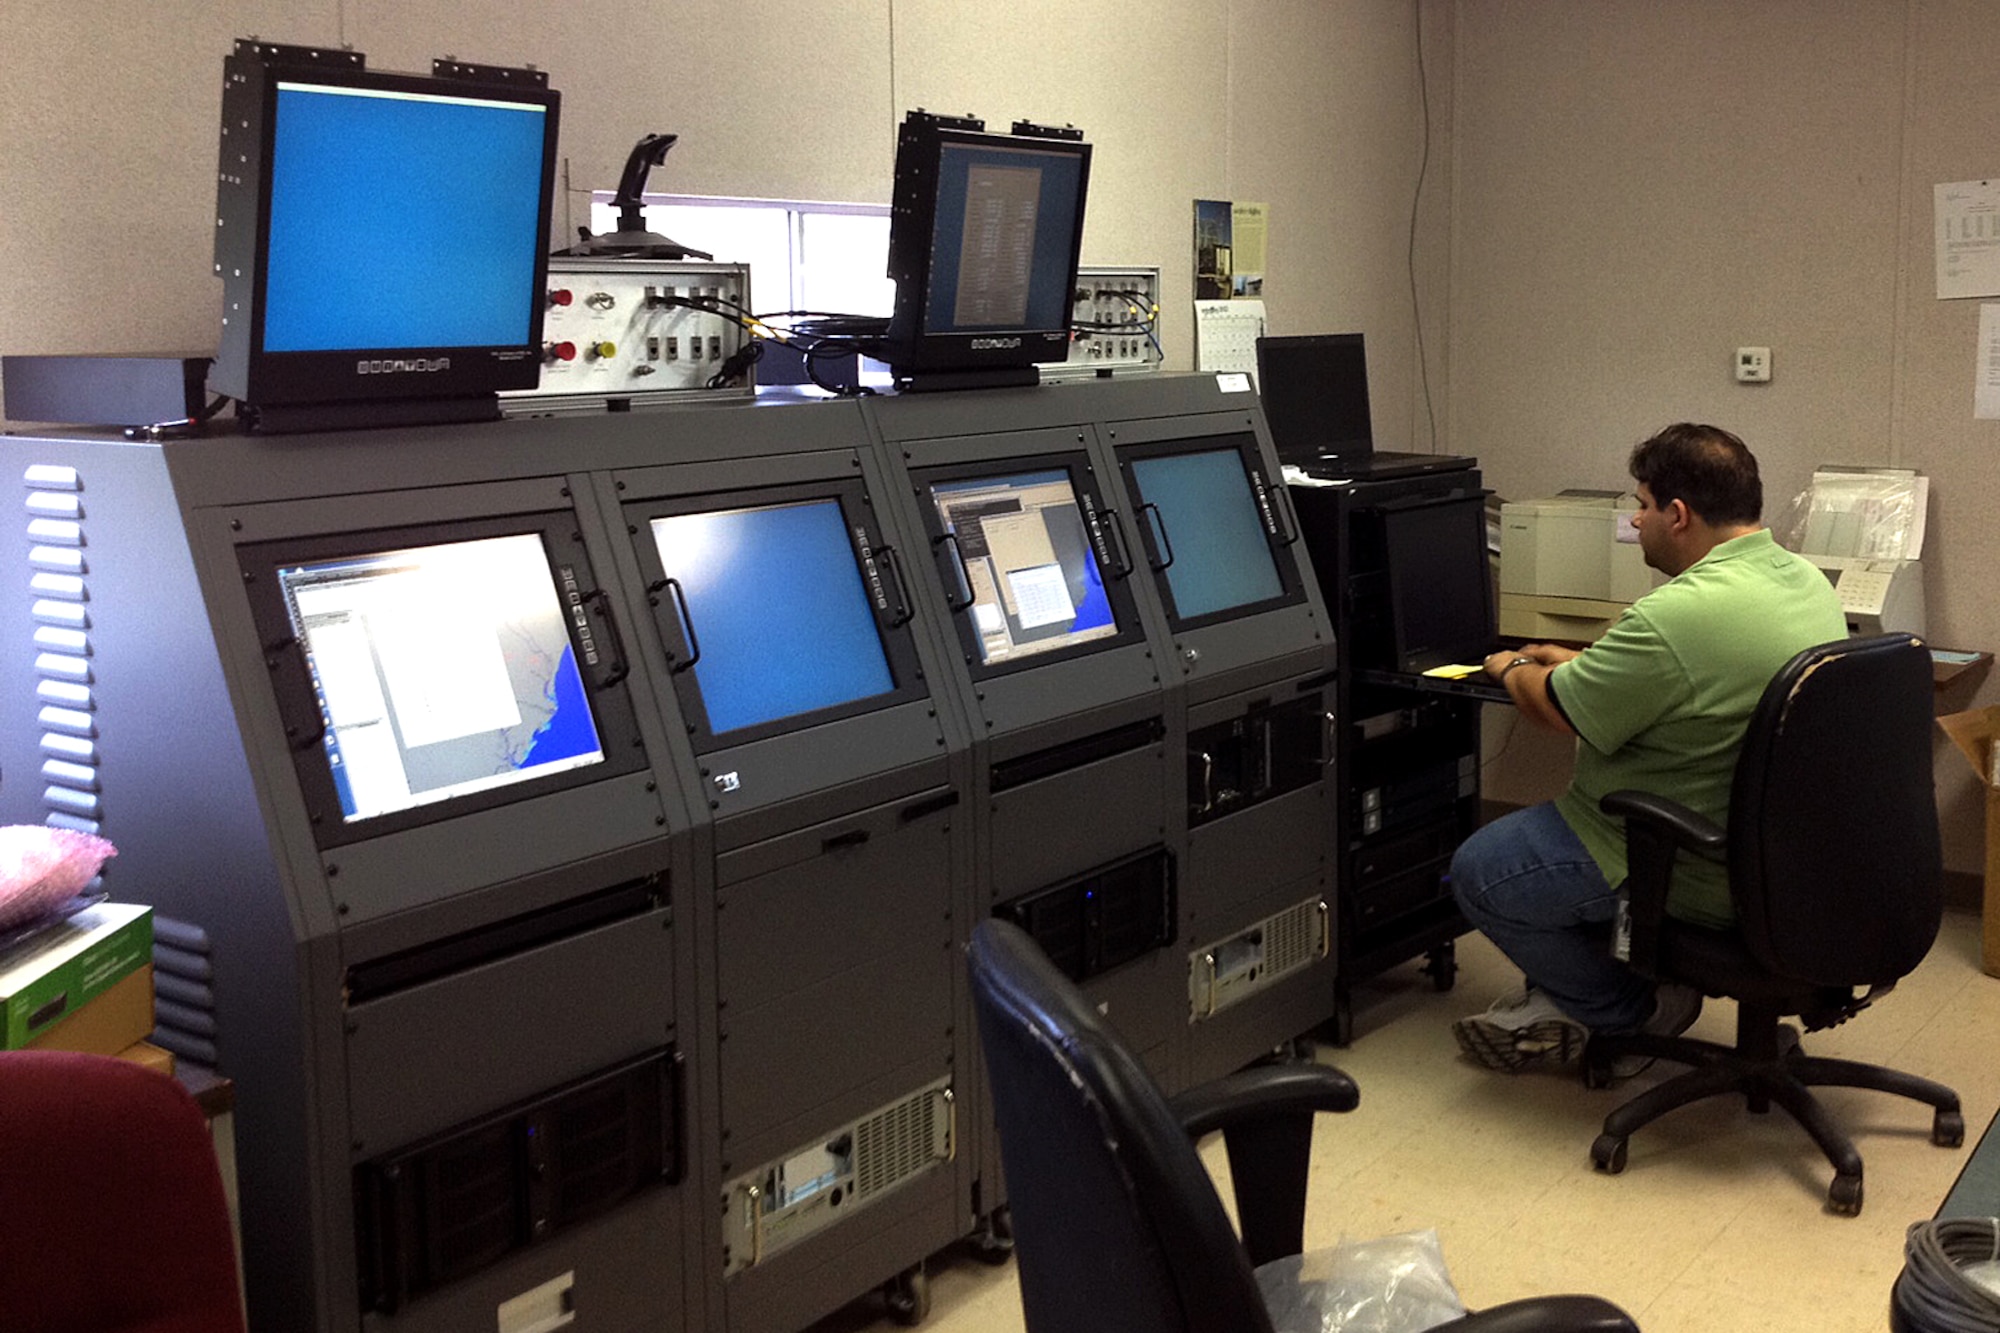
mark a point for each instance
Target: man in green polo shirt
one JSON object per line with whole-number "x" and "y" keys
{"x": 1660, "y": 704}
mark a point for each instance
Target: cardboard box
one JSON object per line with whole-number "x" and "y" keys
{"x": 51, "y": 976}
{"x": 149, "y": 1055}
{"x": 109, "y": 1023}
{"x": 1974, "y": 733}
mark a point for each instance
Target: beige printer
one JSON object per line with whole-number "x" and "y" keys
{"x": 1569, "y": 565}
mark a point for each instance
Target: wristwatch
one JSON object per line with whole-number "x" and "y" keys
{"x": 1519, "y": 661}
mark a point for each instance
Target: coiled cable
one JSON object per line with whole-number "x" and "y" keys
{"x": 1932, "y": 1294}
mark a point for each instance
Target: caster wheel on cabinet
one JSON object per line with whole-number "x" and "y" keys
{"x": 908, "y": 1295}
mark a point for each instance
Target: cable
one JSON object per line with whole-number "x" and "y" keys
{"x": 1932, "y": 1294}
{"x": 1416, "y": 198}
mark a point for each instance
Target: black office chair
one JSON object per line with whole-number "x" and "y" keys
{"x": 1835, "y": 870}
{"x": 1117, "y": 1228}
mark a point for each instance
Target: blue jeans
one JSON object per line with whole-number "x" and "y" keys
{"x": 1527, "y": 883}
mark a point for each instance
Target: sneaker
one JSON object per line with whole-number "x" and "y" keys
{"x": 1521, "y": 1030}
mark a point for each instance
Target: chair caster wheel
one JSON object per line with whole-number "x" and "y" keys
{"x": 1596, "y": 1073}
{"x": 908, "y": 1295}
{"x": 1843, "y": 1196}
{"x": 1607, "y": 1154}
{"x": 1948, "y": 1129}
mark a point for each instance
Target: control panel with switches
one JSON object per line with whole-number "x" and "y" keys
{"x": 1114, "y": 327}
{"x": 623, "y": 332}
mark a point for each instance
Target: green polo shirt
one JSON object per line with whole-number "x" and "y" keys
{"x": 1660, "y": 703}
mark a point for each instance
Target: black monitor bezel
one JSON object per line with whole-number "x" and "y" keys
{"x": 909, "y": 345}
{"x": 1099, "y": 519}
{"x": 570, "y": 576}
{"x": 1402, "y": 591}
{"x": 243, "y": 369}
{"x": 1265, "y": 492}
{"x": 879, "y": 582}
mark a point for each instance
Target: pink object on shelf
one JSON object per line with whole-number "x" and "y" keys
{"x": 41, "y": 867}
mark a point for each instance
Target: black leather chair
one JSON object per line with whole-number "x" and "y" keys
{"x": 1835, "y": 870}
{"x": 1117, "y": 1227}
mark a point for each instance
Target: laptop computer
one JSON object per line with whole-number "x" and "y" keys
{"x": 1315, "y": 394}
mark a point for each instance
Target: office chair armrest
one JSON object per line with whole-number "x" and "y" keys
{"x": 1656, "y": 829}
{"x": 1684, "y": 826}
{"x": 1266, "y": 1114}
{"x": 1546, "y": 1314}
{"x": 1262, "y": 1091}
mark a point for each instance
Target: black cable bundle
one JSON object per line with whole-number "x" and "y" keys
{"x": 1933, "y": 1294}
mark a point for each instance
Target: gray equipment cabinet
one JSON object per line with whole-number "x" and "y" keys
{"x": 565, "y": 832}
{"x": 778, "y": 623}
{"x": 453, "y": 1018}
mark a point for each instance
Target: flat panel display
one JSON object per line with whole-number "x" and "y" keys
{"x": 372, "y": 224}
{"x": 779, "y": 620}
{"x": 441, "y": 671}
{"x": 1206, "y": 512}
{"x": 424, "y": 672}
{"x": 1440, "y": 596}
{"x": 1026, "y": 564}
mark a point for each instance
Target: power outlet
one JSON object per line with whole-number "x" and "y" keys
{"x": 1753, "y": 365}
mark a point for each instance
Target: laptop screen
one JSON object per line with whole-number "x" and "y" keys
{"x": 1315, "y": 394}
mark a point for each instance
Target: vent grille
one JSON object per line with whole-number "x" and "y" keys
{"x": 184, "y": 991}
{"x": 65, "y": 679}
{"x": 895, "y": 1144}
{"x": 1292, "y": 939}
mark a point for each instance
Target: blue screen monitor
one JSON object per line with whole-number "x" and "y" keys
{"x": 1211, "y": 524}
{"x": 443, "y": 672}
{"x": 777, "y": 612}
{"x": 379, "y": 235}
{"x": 1026, "y": 568}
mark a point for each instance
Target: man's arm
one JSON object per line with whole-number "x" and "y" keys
{"x": 1525, "y": 673}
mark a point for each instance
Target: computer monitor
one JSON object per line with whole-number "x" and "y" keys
{"x": 380, "y": 236}
{"x": 1314, "y": 388}
{"x": 1024, "y": 561}
{"x": 984, "y": 237}
{"x": 1440, "y": 591}
{"x": 422, "y": 673}
{"x": 1210, "y": 520}
{"x": 777, "y": 611}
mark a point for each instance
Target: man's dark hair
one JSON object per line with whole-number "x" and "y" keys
{"x": 1704, "y": 466}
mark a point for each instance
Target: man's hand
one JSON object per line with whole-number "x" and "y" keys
{"x": 1525, "y": 672}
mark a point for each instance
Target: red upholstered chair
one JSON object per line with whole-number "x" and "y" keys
{"x": 112, "y": 1216}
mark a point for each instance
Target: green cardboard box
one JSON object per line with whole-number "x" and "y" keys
{"x": 45, "y": 979}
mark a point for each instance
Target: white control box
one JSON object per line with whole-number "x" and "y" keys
{"x": 618, "y": 333}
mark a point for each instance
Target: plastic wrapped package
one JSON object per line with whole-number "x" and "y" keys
{"x": 1395, "y": 1284}
{"x": 1868, "y": 513}
{"x": 42, "y": 867}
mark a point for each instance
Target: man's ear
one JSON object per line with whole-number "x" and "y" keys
{"x": 1679, "y": 516}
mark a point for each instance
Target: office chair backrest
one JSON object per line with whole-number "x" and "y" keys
{"x": 112, "y": 1217}
{"x": 1834, "y": 854}
{"x": 1117, "y": 1225}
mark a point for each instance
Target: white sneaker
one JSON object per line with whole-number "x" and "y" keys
{"x": 1521, "y": 1029}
